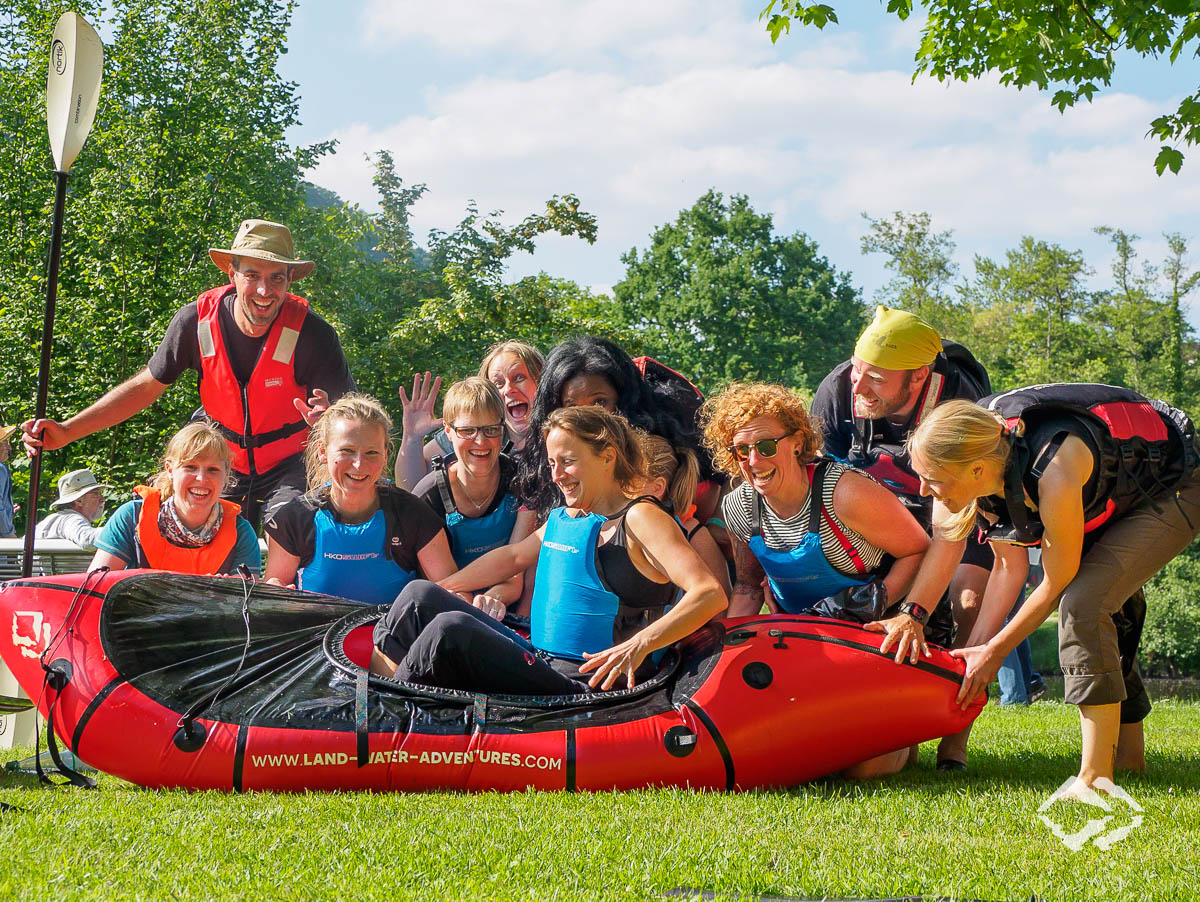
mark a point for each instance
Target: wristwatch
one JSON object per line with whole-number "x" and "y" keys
{"x": 915, "y": 611}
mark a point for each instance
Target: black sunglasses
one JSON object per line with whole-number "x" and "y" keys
{"x": 766, "y": 447}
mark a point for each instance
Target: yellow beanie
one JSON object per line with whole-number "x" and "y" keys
{"x": 898, "y": 340}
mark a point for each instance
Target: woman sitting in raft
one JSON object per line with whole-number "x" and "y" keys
{"x": 608, "y": 565}
{"x": 514, "y": 367}
{"x": 180, "y": 522}
{"x": 352, "y": 535}
{"x": 471, "y": 492}
{"x": 816, "y": 528}
{"x": 1106, "y": 482}
{"x": 673, "y": 475}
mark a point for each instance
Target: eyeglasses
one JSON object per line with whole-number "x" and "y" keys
{"x": 469, "y": 432}
{"x": 766, "y": 447}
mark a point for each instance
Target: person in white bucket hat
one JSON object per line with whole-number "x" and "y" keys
{"x": 268, "y": 366}
{"x": 80, "y": 503}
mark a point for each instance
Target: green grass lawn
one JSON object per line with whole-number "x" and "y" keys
{"x": 973, "y": 836}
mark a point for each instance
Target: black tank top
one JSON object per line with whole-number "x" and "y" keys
{"x": 619, "y": 574}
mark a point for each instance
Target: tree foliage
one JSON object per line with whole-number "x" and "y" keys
{"x": 1070, "y": 48}
{"x": 720, "y": 297}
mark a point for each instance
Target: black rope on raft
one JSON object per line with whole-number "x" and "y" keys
{"x": 187, "y": 721}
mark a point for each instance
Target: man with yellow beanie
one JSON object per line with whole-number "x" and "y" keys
{"x": 868, "y": 405}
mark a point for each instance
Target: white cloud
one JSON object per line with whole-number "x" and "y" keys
{"x": 640, "y": 107}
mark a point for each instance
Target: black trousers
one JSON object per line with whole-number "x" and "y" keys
{"x": 260, "y": 494}
{"x": 438, "y": 639}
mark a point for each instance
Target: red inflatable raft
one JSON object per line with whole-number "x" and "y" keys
{"x": 215, "y": 683}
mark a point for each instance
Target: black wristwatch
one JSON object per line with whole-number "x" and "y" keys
{"x": 915, "y": 611}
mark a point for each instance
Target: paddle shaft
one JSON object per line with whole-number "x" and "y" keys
{"x": 35, "y": 468}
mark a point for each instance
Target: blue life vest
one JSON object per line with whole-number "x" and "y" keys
{"x": 802, "y": 576}
{"x": 572, "y": 610}
{"x": 472, "y": 537}
{"x": 352, "y": 560}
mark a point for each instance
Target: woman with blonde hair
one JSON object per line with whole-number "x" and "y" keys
{"x": 672, "y": 475}
{"x": 471, "y": 492}
{"x": 180, "y": 522}
{"x": 352, "y": 534}
{"x": 609, "y": 565}
{"x": 1105, "y": 482}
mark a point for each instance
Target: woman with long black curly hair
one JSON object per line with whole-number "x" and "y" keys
{"x": 589, "y": 370}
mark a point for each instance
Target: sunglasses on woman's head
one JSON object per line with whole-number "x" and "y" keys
{"x": 766, "y": 447}
{"x": 495, "y": 430}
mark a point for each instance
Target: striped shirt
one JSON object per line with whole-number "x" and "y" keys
{"x": 783, "y": 535}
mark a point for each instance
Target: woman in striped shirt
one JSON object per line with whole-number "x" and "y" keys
{"x": 817, "y": 532}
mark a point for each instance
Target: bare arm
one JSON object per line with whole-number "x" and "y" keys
{"x": 747, "y": 597}
{"x": 501, "y": 562}
{"x": 435, "y": 558}
{"x": 706, "y": 546}
{"x": 417, "y": 421}
{"x": 130, "y": 397}
{"x": 938, "y": 565}
{"x": 104, "y": 559}
{"x": 509, "y": 590}
{"x": 1060, "y": 507}
{"x": 878, "y": 516}
{"x": 667, "y": 551}
{"x": 281, "y": 565}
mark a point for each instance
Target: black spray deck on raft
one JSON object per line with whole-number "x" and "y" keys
{"x": 180, "y": 639}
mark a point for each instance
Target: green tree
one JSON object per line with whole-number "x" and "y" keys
{"x": 1027, "y": 316}
{"x": 720, "y": 297}
{"x": 922, "y": 266}
{"x": 1068, "y": 47}
{"x": 189, "y": 140}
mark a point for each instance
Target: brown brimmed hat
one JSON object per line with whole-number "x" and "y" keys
{"x": 262, "y": 240}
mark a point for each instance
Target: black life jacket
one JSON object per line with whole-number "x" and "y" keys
{"x": 1143, "y": 448}
{"x": 879, "y": 448}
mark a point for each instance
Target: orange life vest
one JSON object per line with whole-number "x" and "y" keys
{"x": 162, "y": 555}
{"x": 259, "y": 419}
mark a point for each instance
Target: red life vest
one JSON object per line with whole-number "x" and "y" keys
{"x": 1142, "y": 449}
{"x": 162, "y": 555}
{"x": 259, "y": 419}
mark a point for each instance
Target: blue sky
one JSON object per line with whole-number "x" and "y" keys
{"x": 640, "y": 107}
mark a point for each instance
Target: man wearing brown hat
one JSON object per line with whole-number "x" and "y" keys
{"x": 267, "y": 364}
{"x": 79, "y": 505}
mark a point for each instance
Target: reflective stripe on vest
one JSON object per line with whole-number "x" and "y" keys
{"x": 162, "y": 555}
{"x": 271, "y": 430}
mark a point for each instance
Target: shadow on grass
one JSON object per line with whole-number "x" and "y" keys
{"x": 1040, "y": 773}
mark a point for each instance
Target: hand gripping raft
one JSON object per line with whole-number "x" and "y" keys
{"x": 166, "y": 690}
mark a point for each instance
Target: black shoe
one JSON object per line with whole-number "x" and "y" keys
{"x": 949, "y": 765}
{"x": 1037, "y": 688}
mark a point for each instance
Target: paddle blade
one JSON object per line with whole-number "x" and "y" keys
{"x": 72, "y": 86}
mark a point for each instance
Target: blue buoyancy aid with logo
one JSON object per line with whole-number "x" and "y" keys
{"x": 572, "y": 610}
{"x": 803, "y": 576}
{"x": 472, "y": 537}
{"x": 352, "y": 560}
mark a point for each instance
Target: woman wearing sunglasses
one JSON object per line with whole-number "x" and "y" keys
{"x": 811, "y": 546}
{"x": 471, "y": 492}
{"x": 822, "y": 534}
